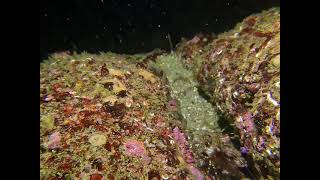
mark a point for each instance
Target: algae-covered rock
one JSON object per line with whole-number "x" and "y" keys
{"x": 192, "y": 114}
{"x": 105, "y": 110}
{"x": 240, "y": 71}
{"x": 213, "y": 149}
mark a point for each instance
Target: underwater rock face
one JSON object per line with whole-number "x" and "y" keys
{"x": 104, "y": 117}
{"x": 240, "y": 71}
{"x": 214, "y": 153}
{"x": 142, "y": 116}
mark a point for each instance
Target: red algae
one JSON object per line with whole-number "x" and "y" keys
{"x": 96, "y": 177}
{"x": 250, "y": 21}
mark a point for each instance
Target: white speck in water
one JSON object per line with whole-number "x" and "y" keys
{"x": 45, "y": 14}
{"x": 159, "y": 25}
{"x": 101, "y": 1}
{"x": 216, "y": 19}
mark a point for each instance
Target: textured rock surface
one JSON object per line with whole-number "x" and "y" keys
{"x": 209, "y": 110}
{"x": 214, "y": 149}
{"x": 102, "y": 117}
{"x": 240, "y": 71}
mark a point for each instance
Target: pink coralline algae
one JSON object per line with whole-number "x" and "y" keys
{"x": 180, "y": 139}
{"x": 54, "y": 140}
{"x": 196, "y": 172}
{"x": 136, "y": 148}
{"x": 246, "y": 123}
{"x": 186, "y": 152}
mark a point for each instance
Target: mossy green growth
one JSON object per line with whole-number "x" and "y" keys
{"x": 197, "y": 113}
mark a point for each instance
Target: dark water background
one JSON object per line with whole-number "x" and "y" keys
{"x": 127, "y": 26}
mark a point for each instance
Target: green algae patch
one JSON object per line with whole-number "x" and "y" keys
{"x": 195, "y": 110}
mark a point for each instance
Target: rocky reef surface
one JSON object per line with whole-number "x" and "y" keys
{"x": 240, "y": 71}
{"x": 209, "y": 110}
{"x": 104, "y": 118}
